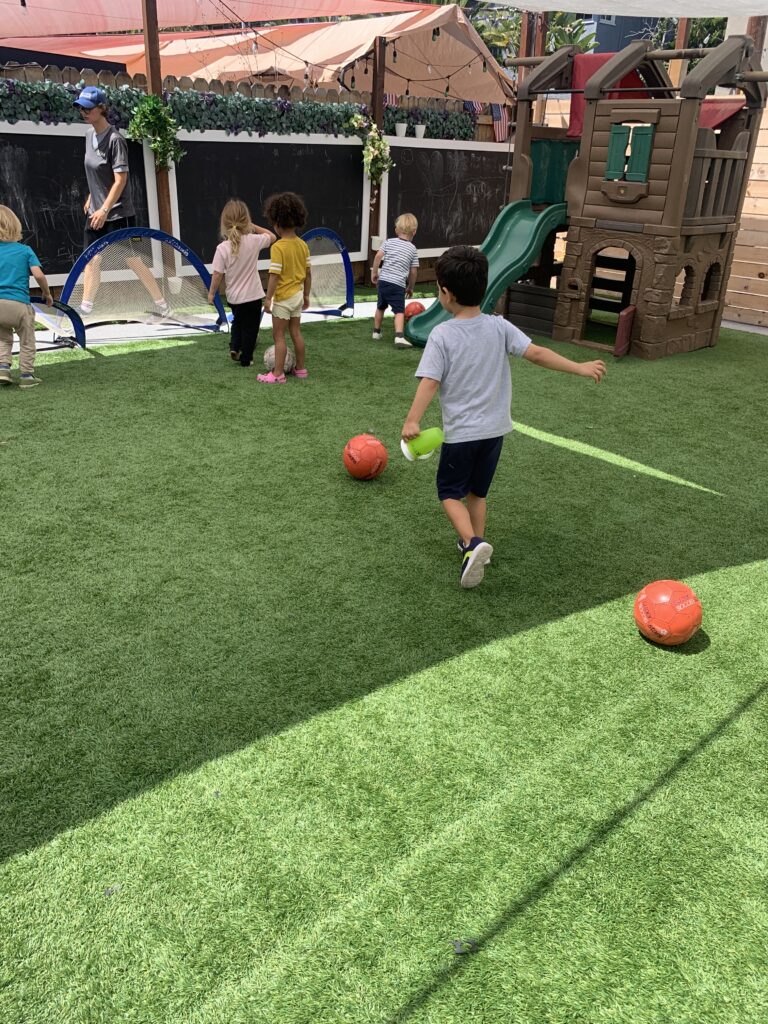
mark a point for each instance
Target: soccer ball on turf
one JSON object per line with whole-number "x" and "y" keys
{"x": 413, "y": 309}
{"x": 365, "y": 457}
{"x": 667, "y": 612}
{"x": 269, "y": 359}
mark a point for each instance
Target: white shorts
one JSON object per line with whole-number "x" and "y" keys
{"x": 288, "y": 308}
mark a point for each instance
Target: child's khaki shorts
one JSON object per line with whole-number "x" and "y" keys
{"x": 288, "y": 308}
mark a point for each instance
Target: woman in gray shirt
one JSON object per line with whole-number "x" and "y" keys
{"x": 108, "y": 206}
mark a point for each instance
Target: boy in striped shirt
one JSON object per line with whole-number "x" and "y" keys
{"x": 394, "y": 273}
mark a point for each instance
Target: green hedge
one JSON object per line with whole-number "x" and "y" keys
{"x": 51, "y": 103}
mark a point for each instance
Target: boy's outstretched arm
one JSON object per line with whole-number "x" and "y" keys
{"x": 541, "y": 356}
{"x": 411, "y": 282}
{"x": 425, "y": 392}
{"x": 42, "y": 281}
{"x": 376, "y": 264}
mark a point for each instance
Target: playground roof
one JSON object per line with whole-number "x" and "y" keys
{"x": 71, "y": 16}
{"x": 284, "y": 54}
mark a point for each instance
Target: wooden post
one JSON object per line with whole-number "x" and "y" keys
{"x": 526, "y": 40}
{"x": 155, "y": 88}
{"x": 541, "y": 28}
{"x": 756, "y": 28}
{"x": 377, "y": 87}
{"x": 678, "y": 68}
{"x": 379, "y": 70}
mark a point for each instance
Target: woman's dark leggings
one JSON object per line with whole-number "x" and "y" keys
{"x": 246, "y": 317}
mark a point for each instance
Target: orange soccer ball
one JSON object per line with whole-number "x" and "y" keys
{"x": 365, "y": 457}
{"x": 667, "y": 612}
{"x": 413, "y": 309}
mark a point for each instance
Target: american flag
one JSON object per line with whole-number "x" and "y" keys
{"x": 473, "y": 107}
{"x": 390, "y": 99}
{"x": 500, "y": 116}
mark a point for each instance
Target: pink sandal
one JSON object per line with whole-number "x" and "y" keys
{"x": 298, "y": 373}
{"x": 270, "y": 378}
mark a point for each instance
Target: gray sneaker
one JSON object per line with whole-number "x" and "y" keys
{"x": 5, "y": 375}
{"x": 29, "y": 380}
{"x": 477, "y": 554}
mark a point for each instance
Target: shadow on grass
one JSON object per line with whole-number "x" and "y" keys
{"x": 191, "y": 570}
{"x": 602, "y": 832}
{"x": 698, "y": 643}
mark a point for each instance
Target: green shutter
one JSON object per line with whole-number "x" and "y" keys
{"x": 617, "y": 148}
{"x": 640, "y": 153}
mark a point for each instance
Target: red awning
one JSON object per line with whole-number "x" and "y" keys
{"x": 715, "y": 111}
{"x": 584, "y": 66}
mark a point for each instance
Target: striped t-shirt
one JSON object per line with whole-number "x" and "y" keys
{"x": 399, "y": 257}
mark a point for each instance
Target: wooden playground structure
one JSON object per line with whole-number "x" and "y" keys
{"x": 655, "y": 183}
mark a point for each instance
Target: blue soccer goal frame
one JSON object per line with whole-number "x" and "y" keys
{"x": 78, "y": 327}
{"x": 97, "y": 247}
{"x": 349, "y": 303}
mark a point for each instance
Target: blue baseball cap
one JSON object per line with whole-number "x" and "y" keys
{"x": 91, "y": 97}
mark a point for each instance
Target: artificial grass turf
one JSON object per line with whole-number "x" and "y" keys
{"x": 246, "y": 697}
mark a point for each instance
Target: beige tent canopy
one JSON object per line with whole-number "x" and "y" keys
{"x": 428, "y": 50}
{"x": 61, "y": 17}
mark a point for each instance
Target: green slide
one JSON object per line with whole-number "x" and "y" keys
{"x": 512, "y": 245}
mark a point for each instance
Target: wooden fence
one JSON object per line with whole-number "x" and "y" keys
{"x": 747, "y": 295}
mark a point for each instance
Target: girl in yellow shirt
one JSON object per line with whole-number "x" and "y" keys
{"x": 290, "y": 278}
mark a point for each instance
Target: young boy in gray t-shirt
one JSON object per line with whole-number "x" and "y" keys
{"x": 467, "y": 361}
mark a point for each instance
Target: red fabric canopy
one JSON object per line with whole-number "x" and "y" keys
{"x": 63, "y": 17}
{"x": 584, "y": 66}
{"x": 715, "y": 111}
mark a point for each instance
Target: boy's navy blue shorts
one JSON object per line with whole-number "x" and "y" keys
{"x": 391, "y": 295}
{"x": 467, "y": 467}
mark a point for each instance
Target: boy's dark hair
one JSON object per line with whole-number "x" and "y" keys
{"x": 286, "y": 210}
{"x": 463, "y": 270}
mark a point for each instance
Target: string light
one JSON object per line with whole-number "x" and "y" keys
{"x": 394, "y": 53}
{"x": 485, "y": 65}
{"x": 435, "y": 34}
{"x": 447, "y": 85}
{"x": 408, "y": 88}
{"x": 429, "y": 69}
{"x": 352, "y": 81}
{"x": 365, "y": 72}
{"x": 306, "y": 71}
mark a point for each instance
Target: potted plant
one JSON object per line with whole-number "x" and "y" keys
{"x": 401, "y": 122}
{"x": 418, "y": 120}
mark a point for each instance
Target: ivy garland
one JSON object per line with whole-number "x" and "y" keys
{"x": 51, "y": 103}
{"x": 152, "y": 121}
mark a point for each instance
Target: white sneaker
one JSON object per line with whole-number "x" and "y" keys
{"x": 376, "y": 335}
{"x": 402, "y": 342}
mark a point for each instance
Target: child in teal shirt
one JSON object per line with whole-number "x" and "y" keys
{"x": 17, "y": 262}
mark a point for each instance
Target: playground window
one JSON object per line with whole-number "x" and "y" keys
{"x": 712, "y": 282}
{"x": 629, "y": 152}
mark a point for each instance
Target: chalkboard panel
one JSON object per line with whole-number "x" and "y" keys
{"x": 328, "y": 178}
{"x": 454, "y": 193}
{"x": 42, "y": 179}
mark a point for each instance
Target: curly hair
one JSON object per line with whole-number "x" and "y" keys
{"x": 286, "y": 210}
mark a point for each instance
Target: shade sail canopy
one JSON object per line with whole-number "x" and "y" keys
{"x": 285, "y": 54}
{"x": 659, "y": 8}
{"x": 61, "y": 17}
